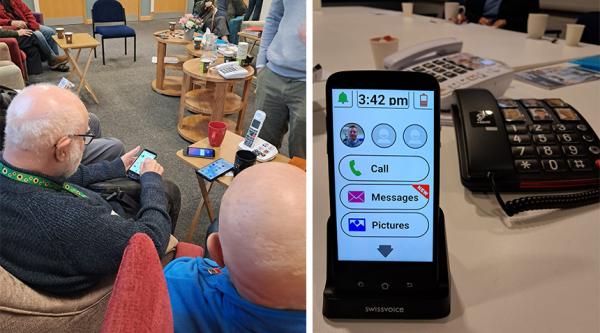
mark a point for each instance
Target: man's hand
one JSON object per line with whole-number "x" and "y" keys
{"x": 150, "y": 165}
{"x": 19, "y": 24}
{"x": 499, "y": 23}
{"x": 129, "y": 157}
{"x": 208, "y": 4}
{"x": 485, "y": 21}
{"x": 24, "y": 32}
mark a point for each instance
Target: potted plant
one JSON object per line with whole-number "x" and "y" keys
{"x": 190, "y": 24}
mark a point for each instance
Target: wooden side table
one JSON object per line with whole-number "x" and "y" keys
{"x": 227, "y": 151}
{"x": 211, "y": 103}
{"x": 80, "y": 41}
{"x": 198, "y": 53}
{"x": 168, "y": 85}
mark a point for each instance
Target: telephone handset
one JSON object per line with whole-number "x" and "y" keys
{"x": 522, "y": 145}
{"x": 453, "y": 70}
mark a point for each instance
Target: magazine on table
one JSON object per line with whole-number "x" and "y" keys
{"x": 557, "y": 77}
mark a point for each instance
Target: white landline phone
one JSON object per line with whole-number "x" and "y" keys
{"x": 264, "y": 150}
{"x": 231, "y": 70}
{"x": 453, "y": 69}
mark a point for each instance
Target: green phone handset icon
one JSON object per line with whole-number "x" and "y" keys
{"x": 353, "y": 168}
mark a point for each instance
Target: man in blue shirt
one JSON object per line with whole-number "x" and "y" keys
{"x": 506, "y": 14}
{"x": 281, "y": 85}
{"x": 257, "y": 280}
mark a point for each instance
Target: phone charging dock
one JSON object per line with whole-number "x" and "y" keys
{"x": 432, "y": 304}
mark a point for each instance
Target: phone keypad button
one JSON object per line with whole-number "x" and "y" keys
{"x": 580, "y": 164}
{"x": 520, "y": 139}
{"x": 513, "y": 129}
{"x": 523, "y": 151}
{"x": 385, "y": 286}
{"x": 527, "y": 166}
{"x": 582, "y": 127}
{"x": 554, "y": 165}
{"x": 438, "y": 62}
{"x": 439, "y": 70}
{"x": 428, "y": 65}
{"x": 418, "y": 69}
{"x": 568, "y": 138}
{"x": 449, "y": 74}
{"x": 548, "y": 151}
{"x": 544, "y": 138}
{"x": 540, "y": 128}
{"x": 459, "y": 71}
{"x": 573, "y": 150}
{"x": 563, "y": 128}
{"x": 594, "y": 150}
{"x": 587, "y": 138}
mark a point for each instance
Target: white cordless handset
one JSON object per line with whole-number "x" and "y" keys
{"x": 264, "y": 150}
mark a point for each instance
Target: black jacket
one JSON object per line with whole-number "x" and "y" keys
{"x": 515, "y": 12}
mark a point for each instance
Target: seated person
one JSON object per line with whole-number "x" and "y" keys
{"x": 212, "y": 19}
{"x": 63, "y": 237}
{"x": 16, "y": 14}
{"x": 262, "y": 243}
{"x": 506, "y": 14}
{"x": 29, "y": 44}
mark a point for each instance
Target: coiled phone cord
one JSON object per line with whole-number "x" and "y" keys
{"x": 558, "y": 201}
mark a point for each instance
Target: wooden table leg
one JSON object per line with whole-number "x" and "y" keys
{"x": 72, "y": 73}
{"x": 84, "y": 82}
{"x": 245, "y": 95}
{"x": 160, "y": 65}
{"x": 204, "y": 203}
{"x": 185, "y": 87}
{"x": 219, "y": 101}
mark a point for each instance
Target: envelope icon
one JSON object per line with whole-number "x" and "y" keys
{"x": 356, "y": 196}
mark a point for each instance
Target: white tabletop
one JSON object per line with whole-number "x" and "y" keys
{"x": 536, "y": 272}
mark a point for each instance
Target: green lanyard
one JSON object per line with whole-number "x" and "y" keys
{"x": 39, "y": 181}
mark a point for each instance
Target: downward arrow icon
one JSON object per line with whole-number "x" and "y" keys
{"x": 385, "y": 250}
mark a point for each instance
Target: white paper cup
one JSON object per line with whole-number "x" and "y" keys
{"x": 383, "y": 47}
{"x": 574, "y": 32}
{"x": 451, "y": 10}
{"x": 536, "y": 25}
{"x": 60, "y": 32}
{"x": 407, "y": 8}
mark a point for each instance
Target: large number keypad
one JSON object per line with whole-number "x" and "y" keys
{"x": 549, "y": 136}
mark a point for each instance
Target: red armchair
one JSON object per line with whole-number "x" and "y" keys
{"x": 17, "y": 56}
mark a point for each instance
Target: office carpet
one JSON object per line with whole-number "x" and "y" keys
{"x": 130, "y": 110}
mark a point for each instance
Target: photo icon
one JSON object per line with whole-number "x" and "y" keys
{"x": 357, "y": 224}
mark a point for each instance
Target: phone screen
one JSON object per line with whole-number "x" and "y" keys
{"x": 215, "y": 169}
{"x": 137, "y": 165}
{"x": 200, "y": 152}
{"x": 383, "y": 152}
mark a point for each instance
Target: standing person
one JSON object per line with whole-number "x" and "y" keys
{"x": 281, "y": 86}
{"x": 15, "y": 13}
{"x": 254, "y": 8}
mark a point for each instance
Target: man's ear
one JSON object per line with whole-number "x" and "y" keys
{"x": 62, "y": 148}
{"x": 213, "y": 244}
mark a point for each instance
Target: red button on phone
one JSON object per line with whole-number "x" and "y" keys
{"x": 597, "y": 164}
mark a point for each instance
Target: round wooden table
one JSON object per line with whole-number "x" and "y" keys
{"x": 168, "y": 85}
{"x": 198, "y": 53}
{"x": 212, "y": 102}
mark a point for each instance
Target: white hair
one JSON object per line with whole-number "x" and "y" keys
{"x": 37, "y": 131}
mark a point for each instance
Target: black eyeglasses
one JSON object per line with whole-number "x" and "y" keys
{"x": 87, "y": 137}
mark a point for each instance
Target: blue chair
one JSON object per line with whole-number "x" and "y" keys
{"x": 111, "y": 11}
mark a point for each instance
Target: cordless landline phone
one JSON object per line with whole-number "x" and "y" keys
{"x": 521, "y": 145}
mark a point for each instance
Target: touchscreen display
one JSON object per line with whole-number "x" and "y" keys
{"x": 383, "y": 143}
{"x": 200, "y": 152}
{"x": 137, "y": 165}
{"x": 216, "y": 168}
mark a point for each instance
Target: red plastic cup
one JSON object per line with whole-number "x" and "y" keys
{"x": 216, "y": 133}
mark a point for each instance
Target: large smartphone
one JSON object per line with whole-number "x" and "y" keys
{"x": 134, "y": 170}
{"x": 199, "y": 152}
{"x": 383, "y": 152}
{"x": 215, "y": 170}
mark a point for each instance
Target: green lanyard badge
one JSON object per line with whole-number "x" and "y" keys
{"x": 39, "y": 181}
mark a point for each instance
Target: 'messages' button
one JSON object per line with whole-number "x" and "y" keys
{"x": 370, "y": 224}
{"x": 385, "y": 196}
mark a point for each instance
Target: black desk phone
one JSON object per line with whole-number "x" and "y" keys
{"x": 522, "y": 145}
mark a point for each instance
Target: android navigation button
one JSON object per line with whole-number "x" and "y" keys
{"x": 385, "y": 286}
{"x": 385, "y": 250}
{"x": 360, "y": 284}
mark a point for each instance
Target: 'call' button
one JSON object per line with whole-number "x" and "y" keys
{"x": 388, "y": 168}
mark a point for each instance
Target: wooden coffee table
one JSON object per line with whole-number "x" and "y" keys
{"x": 227, "y": 151}
{"x": 80, "y": 41}
{"x": 168, "y": 85}
{"x": 211, "y": 102}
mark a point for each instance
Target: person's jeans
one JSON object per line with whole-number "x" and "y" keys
{"x": 284, "y": 101}
{"x": 254, "y": 8}
{"x": 101, "y": 149}
{"x": 44, "y": 36}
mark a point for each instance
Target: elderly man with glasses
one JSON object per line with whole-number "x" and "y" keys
{"x": 58, "y": 236}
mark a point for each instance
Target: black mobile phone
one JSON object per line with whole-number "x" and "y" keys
{"x": 215, "y": 170}
{"x": 383, "y": 151}
{"x": 134, "y": 170}
{"x": 199, "y": 152}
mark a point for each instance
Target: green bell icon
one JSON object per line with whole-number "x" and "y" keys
{"x": 343, "y": 98}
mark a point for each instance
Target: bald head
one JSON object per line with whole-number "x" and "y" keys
{"x": 37, "y": 120}
{"x": 262, "y": 229}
